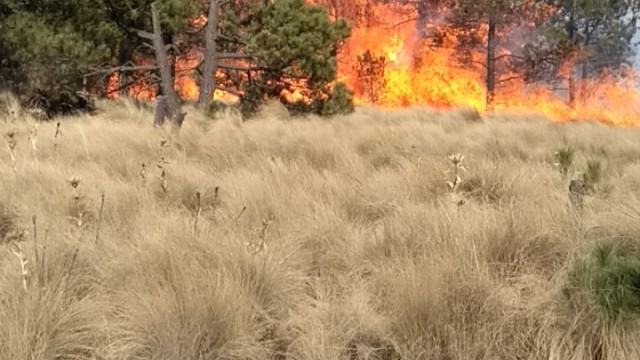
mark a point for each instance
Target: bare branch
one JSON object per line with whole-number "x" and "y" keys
{"x": 141, "y": 33}
{"x": 233, "y": 56}
{"x": 153, "y": 77}
{"x": 230, "y": 39}
{"x": 503, "y": 56}
{"x": 123, "y": 69}
{"x": 240, "y": 67}
{"x": 401, "y": 23}
{"x": 510, "y": 78}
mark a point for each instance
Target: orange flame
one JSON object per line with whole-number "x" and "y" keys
{"x": 416, "y": 73}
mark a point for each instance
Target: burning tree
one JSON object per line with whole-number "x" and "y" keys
{"x": 259, "y": 50}
{"x": 370, "y": 70}
{"x": 591, "y": 37}
{"x": 499, "y": 17}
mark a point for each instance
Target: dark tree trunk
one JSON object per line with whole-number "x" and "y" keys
{"x": 491, "y": 59}
{"x": 125, "y": 54}
{"x": 423, "y": 17}
{"x": 572, "y": 36}
{"x": 583, "y": 81}
{"x": 208, "y": 83}
{"x": 174, "y": 109}
{"x": 161, "y": 111}
{"x": 584, "y": 66}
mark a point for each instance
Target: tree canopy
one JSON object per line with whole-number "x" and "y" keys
{"x": 287, "y": 49}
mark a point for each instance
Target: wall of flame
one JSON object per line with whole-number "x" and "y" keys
{"x": 437, "y": 80}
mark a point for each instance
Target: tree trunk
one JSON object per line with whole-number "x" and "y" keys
{"x": 572, "y": 36}
{"x": 174, "y": 109}
{"x": 584, "y": 73}
{"x": 572, "y": 89}
{"x": 584, "y": 66}
{"x": 423, "y": 17}
{"x": 491, "y": 59}
{"x": 208, "y": 84}
{"x": 161, "y": 111}
{"x": 124, "y": 56}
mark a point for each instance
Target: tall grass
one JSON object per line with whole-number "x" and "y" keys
{"x": 308, "y": 238}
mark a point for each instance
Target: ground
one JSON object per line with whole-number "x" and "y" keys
{"x": 287, "y": 238}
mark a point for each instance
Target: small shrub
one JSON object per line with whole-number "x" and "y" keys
{"x": 340, "y": 101}
{"x": 7, "y": 224}
{"x": 610, "y": 278}
{"x": 214, "y": 107}
{"x": 564, "y": 159}
{"x": 10, "y": 108}
{"x": 592, "y": 176}
{"x": 54, "y": 103}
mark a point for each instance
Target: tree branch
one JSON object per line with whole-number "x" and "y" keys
{"x": 141, "y": 33}
{"x": 230, "y": 39}
{"x": 233, "y": 56}
{"x": 133, "y": 82}
{"x": 401, "y": 23}
{"x": 510, "y": 78}
{"x": 123, "y": 69}
{"x": 240, "y": 67}
{"x": 500, "y": 57}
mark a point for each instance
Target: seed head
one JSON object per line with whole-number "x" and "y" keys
{"x": 11, "y": 139}
{"x": 456, "y": 159}
{"x": 74, "y": 181}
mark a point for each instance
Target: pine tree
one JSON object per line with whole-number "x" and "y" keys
{"x": 370, "y": 70}
{"x": 49, "y": 43}
{"x": 292, "y": 45}
{"x": 595, "y": 35}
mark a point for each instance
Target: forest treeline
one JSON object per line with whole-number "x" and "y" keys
{"x": 261, "y": 49}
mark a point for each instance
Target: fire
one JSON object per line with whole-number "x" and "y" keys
{"x": 417, "y": 73}
{"x": 184, "y": 82}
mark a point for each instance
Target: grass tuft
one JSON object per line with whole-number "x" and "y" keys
{"x": 362, "y": 237}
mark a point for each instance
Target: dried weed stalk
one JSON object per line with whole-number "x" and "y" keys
{"x": 11, "y": 146}
{"x": 457, "y": 168}
{"x": 260, "y": 244}
{"x": 33, "y": 138}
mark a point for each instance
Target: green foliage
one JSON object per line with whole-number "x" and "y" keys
{"x": 296, "y": 40}
{"x": 564, "y": 159}
{"x": 49, "y": 43}
{"x": 52, "y": 44}
{"x": 293, "y": 44}
{"x": 340, "y": 101}
{"x": 599, "y": 32}
{"x": 610, "y": 278}
{"x": 174, "y": 14}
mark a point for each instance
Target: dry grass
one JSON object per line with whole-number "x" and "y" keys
{"x": 316, "y": 239}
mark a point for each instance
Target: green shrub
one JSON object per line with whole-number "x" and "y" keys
{"x": 564, "y": 159}
{"x": 340, "y": 101}
{"x": 610, "y": 278}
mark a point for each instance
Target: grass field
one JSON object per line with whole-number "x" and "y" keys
{"x": 318, "y": 239}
